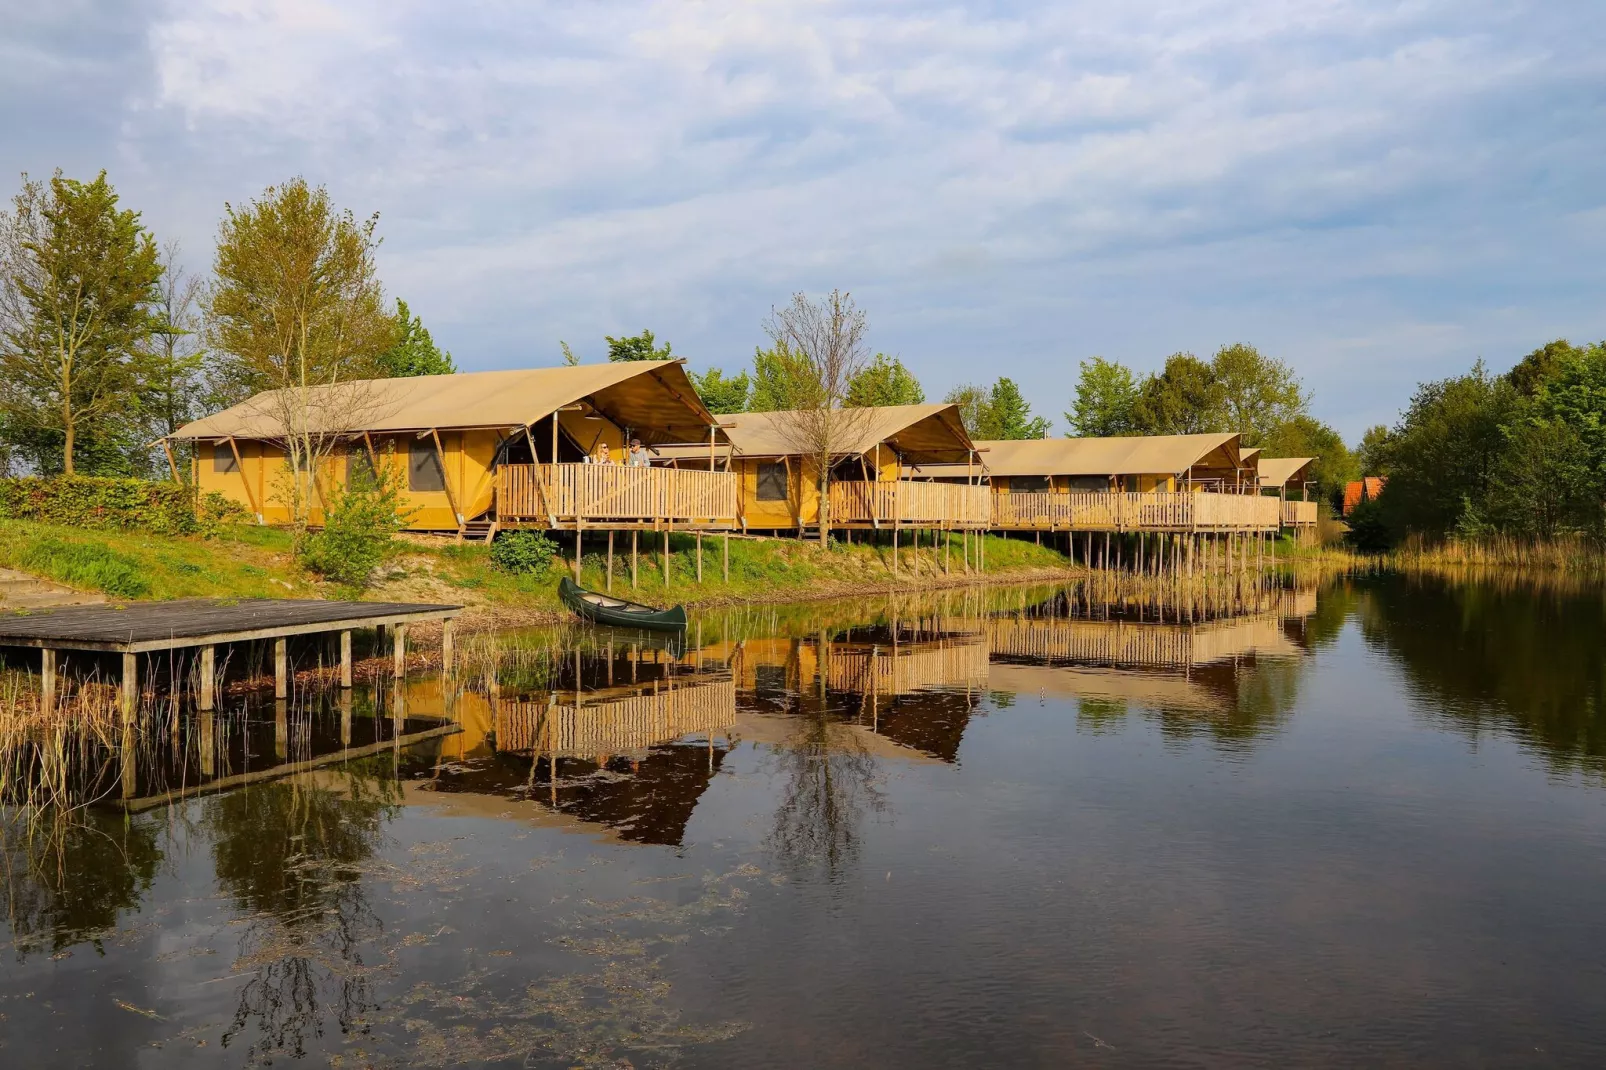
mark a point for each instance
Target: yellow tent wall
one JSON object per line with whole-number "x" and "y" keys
{"x": 467, "y": 457}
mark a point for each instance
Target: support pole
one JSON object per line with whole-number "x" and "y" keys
{"x": 448, "y": 647}
{"x": 635, "y": 557}
{"x": 281, "y": 668}
{"x": 130, "y": 694}
{"x": 399, "y": 651}
{"x": 666, "y": 559}
{"x": 47, "y": 680}
{"x": 894, "y": 547}
{"x": 208, "y": 696}
{"x": 345, "y": 659}
{"x": 699, "y": 557}
{"x": 610, "y": 560}
{"x": 725, "y": 563}
{"x": 578, "y": 538}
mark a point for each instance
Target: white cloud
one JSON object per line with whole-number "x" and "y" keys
{"x": 995, "y": 178}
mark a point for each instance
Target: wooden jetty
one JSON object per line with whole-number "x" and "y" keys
{"x": 135, "y": 628}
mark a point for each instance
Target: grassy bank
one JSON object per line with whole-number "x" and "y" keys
{"x": 255, "y": 562}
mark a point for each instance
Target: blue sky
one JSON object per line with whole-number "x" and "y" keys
{"x": 1378, "y": 193}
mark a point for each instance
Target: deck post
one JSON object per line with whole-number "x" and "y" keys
{"x": 610, "y": 561}
{"x": 666, "y": 559}
{"x": 981, "y": 551}
{"x": 947, "y": 544}
{"x": 635, "y": 556}
{"x": 345, "y": 718}
{"x": 345, "y": 659}
{"x": 281, "y": 728}
{"x": 281, "y": 668}
{"x": 130, "y": 693}
{"x": 207, "y": 744}
{"x": 725, "y": 554}
{"x": 47, "y": 680}
{"x": 699, "y": 557}
{"x": 208, "y": 696}
{"x": 579, "y": 537}
{"x": 894, "y": 546}
{"x": 399, "y": 652}
{"x": 448, "y": 647}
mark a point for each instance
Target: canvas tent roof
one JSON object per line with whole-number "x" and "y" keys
{"x": 921, "y": 434}
{"x": 655, "y": 399}
{"x": 1279, "y": 471}
{"x": 1146, "y": 455}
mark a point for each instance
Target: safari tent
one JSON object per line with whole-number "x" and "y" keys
{"x": 1157, "y": 483}
{"x": 1289, "y": 479}
{"x": 876, "y": 449}
{"x": 479, "y": 450}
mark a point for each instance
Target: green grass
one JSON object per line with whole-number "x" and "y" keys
{"x": 256, "y": 562}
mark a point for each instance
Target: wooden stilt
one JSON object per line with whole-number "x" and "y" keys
{"x": 610, "y": 560}
{"x": 699, "y": 557}
{"x": 635, "y": 557}
{"x": 399, "y": 651}
{"x": 208, "y": 682}
{"x": 281, "y": 668}
{"x": 666, "y": 559}
{"x": 345, "y": 659}
{"x": 281, "y": 729}
{"x": 130, "y": 692}
{"x": 448, "y": 647}
{"x": 47, "y": 679}
{"x": 725, "y": 557}
{"x": 579, "y": 539}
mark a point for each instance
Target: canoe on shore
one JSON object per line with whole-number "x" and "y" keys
{"x": 617, "y": 612}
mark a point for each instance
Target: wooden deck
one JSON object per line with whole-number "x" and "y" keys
{"x": 614, "y": 496}
{"x": 1119, "y": 511}
{"x": 140, "y": 627}
{"x": 1299, "y": 514}
{"x": 910, "y": 504}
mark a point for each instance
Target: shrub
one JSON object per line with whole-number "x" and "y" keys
{"x": 523, "y": 552}
{"x": 106, "y": 504}
{"x": 358, "y": 529}
{"x": 214, "y": 512}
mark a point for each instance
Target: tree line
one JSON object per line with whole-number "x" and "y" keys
{"x": 1520, "y": 454}
{"x": 108, "y": 341}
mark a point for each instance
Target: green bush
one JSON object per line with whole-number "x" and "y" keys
{"x": 92, "y": 565}
{"x": 214, "y": 512}
{"x": 523, "y": 552}
{"x": 106, "y": 504}
{"x": 358, "y": 530}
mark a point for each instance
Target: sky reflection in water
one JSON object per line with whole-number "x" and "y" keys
{"x": 1360, "y": 827}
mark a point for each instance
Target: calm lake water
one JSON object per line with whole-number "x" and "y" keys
{"x": 1365, "y": 826}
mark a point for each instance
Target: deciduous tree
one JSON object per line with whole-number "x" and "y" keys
{"x": 1106, "y": 392}
{"x": 1256, "y": 393}
{"x": 414, "y": 352}
{"x": 637, "y": 347}
{"x": 723, "y": 393}
{"x": 885, "y": 381}
{"x": 824, "y": 341}
{"x": 296, "y": 308}
{"x": 78, "y": 285}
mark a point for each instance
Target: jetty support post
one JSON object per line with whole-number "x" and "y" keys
{"x": 635, "y": 557}
{"x": 725, "y": 563}
{"x": 47, "y": 679}
{"x": 130, "y": 692}
{"x": 281, "y": 668}
{"x": 345, "y": 659}
{"x": 448, "y": 647}
{"x": 207, "y": 698}
{"x": 610, "y": 561}
{"x": 399, "y": 651}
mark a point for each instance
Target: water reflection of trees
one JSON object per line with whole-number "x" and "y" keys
{"x": 292, "y": 855}
{"x": 68, "y": 883}
{"x": 1521, "y": 661}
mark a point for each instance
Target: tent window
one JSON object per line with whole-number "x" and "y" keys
{"x": 358, "y": 460}
{"x": 772, "y": 483}
{"x": 1022, "y": 484}
{"x": 223, "y": 458}
{"x": 1089, "y": 483}
{"x": 424, "y": 472}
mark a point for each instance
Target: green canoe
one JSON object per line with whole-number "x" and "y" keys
{"x": 618, "y": 613}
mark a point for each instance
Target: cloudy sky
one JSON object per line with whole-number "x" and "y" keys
{"x": 1377, "y": 192}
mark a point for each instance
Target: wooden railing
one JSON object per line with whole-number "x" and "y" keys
{"x": 610, "y": 493}
{"x": 633, "y": 723}
{"x": 951, "y": 505}
{"x": 1299, "y": 514}
{"x": 1134, "y": 511}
